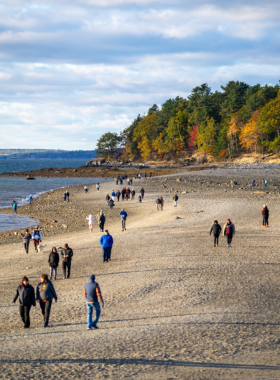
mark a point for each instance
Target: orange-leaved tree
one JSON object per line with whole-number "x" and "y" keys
{"x": 269, "y": 120}
{"x": 250, "y": 134}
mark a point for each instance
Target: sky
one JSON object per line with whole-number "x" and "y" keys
{"x": 73, "y": 70}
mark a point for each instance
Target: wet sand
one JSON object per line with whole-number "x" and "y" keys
{"x": 175, "y": 306}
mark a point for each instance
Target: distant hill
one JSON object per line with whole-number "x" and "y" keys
{"x": 8, "y": 154}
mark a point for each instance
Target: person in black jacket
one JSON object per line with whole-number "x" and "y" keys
{"x": 26, "y": 295}
{"x": 26, "y": 237}
{"x": 53, "y": 262}
{"x": 142, "y": 191}
{"x": 67, "y": 254}
{"x": 118, "y": 194}
{"x": 265, "y": 215}
{"x": 45, "y": 293}
{"x": 101, "y": 221}
{"x": 216, "y": 229}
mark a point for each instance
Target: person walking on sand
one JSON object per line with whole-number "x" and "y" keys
{"x": 26, "y": 294}
{"x": 118, "y": 195}
{"x": 26, "y": 237}
{"x": 30, "y": 199}
{"x": 123, "y": 215}
{"x": 132, "y": 194}
{"x": 161, "y": 203}
{"x": 265, "y": 215}
{"x": 14, "y": 207}
{"x": 67, "y": 254}
{"x": 158, "y": 203}
{"x": 92, "y": 294}
{"x": 67, "y": 195}
{"x": 113, "y": 194}
{"x": 90, "y": 219}
{"x": 265, "y": 182}
{"x": 253, "y": 182}
{"x": 64, "y": 196}
{"x": 86, "y": 189}
{"x": 140, "y": 199}
{"x": 45, "y": 294}
{"x": 142, "y": 191}
{"x": 123, "y": 193}
{"x": 175, "y": 200}
{"x": 53, "y": 262}
{"x": 98, "y": 187}
{"x": 106, "y": 242}
{"x": 216, "y": 229}
{"x": 36, "y": 237}
{"x": 101, "y": 221}
{"x": 229, "y": 231}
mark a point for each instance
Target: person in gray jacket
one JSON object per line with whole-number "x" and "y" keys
{"x": 92, "y": 294}
{"x": 26, "y": 237}
{"x": 26, "y": 295}
{"x": 44, "y": 295}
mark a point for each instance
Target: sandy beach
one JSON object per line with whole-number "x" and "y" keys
{"x": 175, "y": 306}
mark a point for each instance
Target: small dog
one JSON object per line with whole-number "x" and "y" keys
{"x": 41, "y": 248}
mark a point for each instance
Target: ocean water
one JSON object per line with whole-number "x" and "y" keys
{"x": 7, "y": 166}
{"x": 19, "y": 189}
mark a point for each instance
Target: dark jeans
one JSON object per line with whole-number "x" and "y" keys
{"x": 26, "y": 246}
{"x": 216, "y": 239}
{"x": 142, "y": 195}
{"x": 229, "y": 238}
{"x": 66, "y": 265}
{"x": 123, "y": 224}
{"x": 106, "y": 252}
{"x": 46, "y": 310}
{"x": 101, "y": 226}
{"x": 24, "y": 313}
{"x": 265, "y": 221}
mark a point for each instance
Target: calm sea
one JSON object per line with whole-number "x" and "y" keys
{"x": 19, "y": 189}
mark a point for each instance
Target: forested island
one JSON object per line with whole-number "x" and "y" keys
{"x": 239, "y": 119}
{"x": 46, "y": 153}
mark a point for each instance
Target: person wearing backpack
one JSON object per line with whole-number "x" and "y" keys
{"x": 175, "y": 200}
{"x": 229, "y": 231}
{"x": 53, "y": 262}
{"x": 265, "y": 215}
{"x": 216, "y": 229}
{"x": 36, "y": 237}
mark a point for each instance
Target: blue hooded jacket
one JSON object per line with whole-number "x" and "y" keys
{"x": 106, "y": 241}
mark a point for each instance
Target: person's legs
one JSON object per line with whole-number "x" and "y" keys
{"x": 42, "y": 306}
{"x": 26, "y": 316}
{"x": 68, "y": 269}
{"x": 123, "y": 224}
{"x": 89, "y": 314}
{"x": 64, "y": 264}
{"x": 55, "y": 272}
{"x": 47, "y": 311}
{"x": 263, "y": 223}
{"x": 51, "y": 272}
{"x": 96, "y": 306}
{"x": 21, "y": 313}
{"x": 104, "y": 253}
{"x": 109, "y": 249}
{"x": 229, "y": 239}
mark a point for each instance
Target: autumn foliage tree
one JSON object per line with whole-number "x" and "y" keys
{"x": 250, "y": 135}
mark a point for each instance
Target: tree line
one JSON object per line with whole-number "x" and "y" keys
{"x": 239, "y": 118}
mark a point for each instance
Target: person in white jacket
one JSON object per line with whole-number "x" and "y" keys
{"x": 90, "y": 219}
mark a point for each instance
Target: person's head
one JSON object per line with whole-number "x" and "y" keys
{"x": 36, "y": 227}
{"x": 228, "y": 221}
{"x": 65, "y": 245}
{"x": 264, "y": 206}
{"x": 92, "y": 277}
{"x": 215, "y": 221}
{"x": 106, "y": 232}
{"x": 54, "y": 249}
{"x": 24, "y": 281}
{"x": 44, "y": 277}
{"x": 26, "y": 231}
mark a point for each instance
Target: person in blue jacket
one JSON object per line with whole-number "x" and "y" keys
{"x": 106, "y": 242}
{"x": 123, "y": 215}
{"x": 30, "y": 199}
{"x": 15, "y": 207}
{"x": 113, "y": 194}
